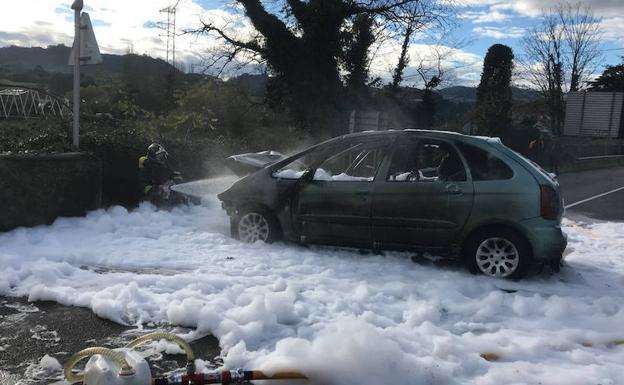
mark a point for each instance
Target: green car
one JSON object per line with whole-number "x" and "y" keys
{"x": 450, "y": 194}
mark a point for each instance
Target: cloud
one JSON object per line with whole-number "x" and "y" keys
{"x": 124, "y": 25}
{"x": 460, "y": 67}
{"x": 533, "y": 8}
{"x": 500, "y": 33}
{"x": 613, "y": 29}
{"x": 120, "y": 25}
{"x": 481, "y": 17}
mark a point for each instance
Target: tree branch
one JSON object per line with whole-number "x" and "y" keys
{"x": 248, "y": 45}
{"x": 266, "y": 23}
{"x": 298, "y": 9}
{"x": 354, "y": 9}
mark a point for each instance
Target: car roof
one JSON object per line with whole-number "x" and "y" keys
{"x": 429, "y": 133}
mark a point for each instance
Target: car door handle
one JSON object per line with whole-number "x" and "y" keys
{"x": 453, "y": 189}
{"x": 364, "y": 192}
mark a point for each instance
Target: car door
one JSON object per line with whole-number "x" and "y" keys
{"x": 422, "y": 197}
{"x": 333, "y": 206}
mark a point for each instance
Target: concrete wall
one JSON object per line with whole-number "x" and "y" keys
{"x": 36, "y": 189}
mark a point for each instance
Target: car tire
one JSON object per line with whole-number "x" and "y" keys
{"x": 255, "y": 224}
{"x": 499, "y": 253}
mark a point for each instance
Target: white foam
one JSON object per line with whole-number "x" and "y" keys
{"x": 339, "y": 316}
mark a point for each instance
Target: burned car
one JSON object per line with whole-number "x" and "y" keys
{"x": 450, "y": 194}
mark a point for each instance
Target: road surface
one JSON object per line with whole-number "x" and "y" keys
{"x": 584, "y": 185}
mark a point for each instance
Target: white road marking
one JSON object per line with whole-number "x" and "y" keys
{"x": 594, "y": 197}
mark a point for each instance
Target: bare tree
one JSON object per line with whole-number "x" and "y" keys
{"x": 582, "y": 34}
{"x": 543, "y": 48}
{"x": 428, "y": 71}
{"x": 431, "y": 76}
{"x": 561, "y": 54}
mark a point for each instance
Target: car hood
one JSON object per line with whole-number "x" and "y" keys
{"x": 244, "y": 164}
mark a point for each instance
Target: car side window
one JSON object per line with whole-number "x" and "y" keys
{"x": 483, "y": 164}
{"x": 425, "y": 161}
{"x": 356, "y": 161}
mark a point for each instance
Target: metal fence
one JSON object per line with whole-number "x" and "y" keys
{"x": 594, "y": 114}
{"x": 368, "y": 120}
{"x": 24, "y": 103}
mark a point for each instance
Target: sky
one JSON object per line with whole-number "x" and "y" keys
{"x": 123, "y": 26}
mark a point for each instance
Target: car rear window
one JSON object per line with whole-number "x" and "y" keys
{"x": 483, "y": 164}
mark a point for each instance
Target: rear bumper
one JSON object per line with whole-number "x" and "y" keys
{"x": 547, "y": 239}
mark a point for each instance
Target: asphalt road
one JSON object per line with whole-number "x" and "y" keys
{"x": 586, "y": 184}
{"x": 28, "y": 331}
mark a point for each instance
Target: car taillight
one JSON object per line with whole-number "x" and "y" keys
{"x": 550, "y": 204}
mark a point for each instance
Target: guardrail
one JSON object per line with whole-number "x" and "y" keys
{"x": 599, "y": 157}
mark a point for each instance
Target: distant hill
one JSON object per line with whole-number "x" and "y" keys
{"x": 461, "y": 94}
{"x": 55, "y": 58}
{"x": 48, "y": 68}
{"x": 152, "y": 81}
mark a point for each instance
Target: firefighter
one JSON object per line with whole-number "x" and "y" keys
{"x": 155, "y": 174}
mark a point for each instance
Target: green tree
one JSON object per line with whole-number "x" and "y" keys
{"x": 612, "y": 79}
{"x": 493, "y": 108}
{"x": 316, "y": 49}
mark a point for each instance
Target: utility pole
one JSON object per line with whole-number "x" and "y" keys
{"x": 169, "y": 26}
{"x": 77, "y": 7}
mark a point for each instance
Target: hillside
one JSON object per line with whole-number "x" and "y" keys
{"x": 461, "y": 94}
{"x": 54, "y": 59}
{"x": 47, "y": 68}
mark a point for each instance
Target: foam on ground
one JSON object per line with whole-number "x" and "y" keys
{"x": 339, "y": 316}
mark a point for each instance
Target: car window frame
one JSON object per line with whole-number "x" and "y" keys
{"x": 416, "y": 138}
{"x": 491, "y": 150}
{"x": 273, "y": 168}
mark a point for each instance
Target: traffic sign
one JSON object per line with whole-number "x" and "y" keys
{"x": 89, "y": 49}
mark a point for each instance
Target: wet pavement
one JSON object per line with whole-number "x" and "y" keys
{"x": 586, "y": 184}
{"x": 30, "y": 330}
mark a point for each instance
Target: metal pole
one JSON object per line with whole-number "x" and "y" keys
{"x": 174, "y": 35}
{"x": 77, "y": 7}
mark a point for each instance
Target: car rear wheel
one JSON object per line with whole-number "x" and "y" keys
{"x": 498, "y": 253}
{"x": 255, "y": 224}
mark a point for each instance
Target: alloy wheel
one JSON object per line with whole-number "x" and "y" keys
{"x": 497, "y": 257}
{"x": 253, "y": 227}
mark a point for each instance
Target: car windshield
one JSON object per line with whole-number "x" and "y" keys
{"x": 358, "y": 162}
{"x": 346, "y": 160}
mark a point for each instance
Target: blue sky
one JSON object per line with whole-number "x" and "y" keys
{"x": 513, "y": 26}
{"x": 128, "y": 26}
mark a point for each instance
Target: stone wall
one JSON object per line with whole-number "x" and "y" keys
{"x": 36, "y": 189}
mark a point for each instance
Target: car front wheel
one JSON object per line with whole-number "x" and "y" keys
{"x": 498, "y": 253}
{"x": 255, "y": 224}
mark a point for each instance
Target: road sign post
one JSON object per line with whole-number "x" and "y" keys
{"x": 77, "y": 7}
{"x": 84, "y": 51}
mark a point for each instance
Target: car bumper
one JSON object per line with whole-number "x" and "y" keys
{"x": 547, "y": 239}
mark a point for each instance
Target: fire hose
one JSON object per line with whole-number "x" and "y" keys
{"x": 125, "y": 366}
{"x": 225, "y": 377}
